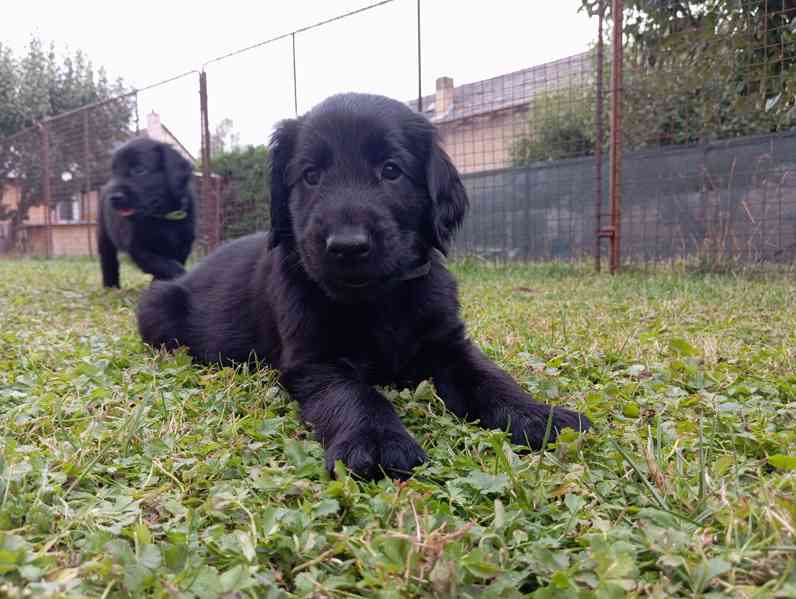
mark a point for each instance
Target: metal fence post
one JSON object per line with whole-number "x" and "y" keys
{"x": 419, "y": 65}
{"x": 616, "y": 134}
{"x": 209, "y": 198}
{"x": 600, "y": 141}
{"x": 85, "y": 202}
{"x": 46, "y": 186}
{"x": 295, "y": 75}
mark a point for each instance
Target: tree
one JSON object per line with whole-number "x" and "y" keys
{"x": 224, "y": 138}
{"x": 38, "y": 86}
{"x": 698, "y": 70}
{"x": 561, "y": 124}
{"x": 10, "y": 120}
{"x": 245, "y": 197}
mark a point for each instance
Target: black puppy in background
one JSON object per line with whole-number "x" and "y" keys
{"x": 349, "y": 289}
{"x": 147, "y": 210}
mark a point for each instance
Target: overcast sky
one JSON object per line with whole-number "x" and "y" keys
{"x": 375, "y": 51}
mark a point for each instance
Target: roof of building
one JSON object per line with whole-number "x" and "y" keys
{"x": 511, "y": 89}
{"x": 188, "y": 154}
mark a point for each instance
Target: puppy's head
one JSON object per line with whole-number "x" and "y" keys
{"x": 148, "y": 177}
{"x": 361, "y": 188}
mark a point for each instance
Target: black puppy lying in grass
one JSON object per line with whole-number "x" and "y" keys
{"x": 348, "y": 290}
{"x": 147, "y": 210}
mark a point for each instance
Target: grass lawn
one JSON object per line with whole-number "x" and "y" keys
{"x": 129, "y": 473}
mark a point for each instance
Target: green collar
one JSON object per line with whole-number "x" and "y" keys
{"x": 175, "y": 215}
{"x": 180, "y": 214}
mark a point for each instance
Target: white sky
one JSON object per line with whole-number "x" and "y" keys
{"x": 375, "y": 51}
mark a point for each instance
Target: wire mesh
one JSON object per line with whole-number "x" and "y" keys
{"x": 52, "y": 175}
{"x": 169, "y": 112}
{"x": 53, "y": 172}
{"x": 520, "y": 140}
{"x": 239, "y": 126}
{"x": 707, "y": 134}
{"x": 292, "y": 76}
{"x": 708, "y": 102}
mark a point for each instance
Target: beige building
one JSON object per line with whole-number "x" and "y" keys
{"x": 479, "y": 122}
{"x": 72, "y": 226}
{"x": 72, "y": 220}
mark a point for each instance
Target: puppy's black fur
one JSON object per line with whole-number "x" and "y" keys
{"x": 147, "y": 210}
{"x": 349, "y": 289}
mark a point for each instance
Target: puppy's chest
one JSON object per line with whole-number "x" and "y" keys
{"x": 380, "y": 347}
{"x": 157, "y": 232}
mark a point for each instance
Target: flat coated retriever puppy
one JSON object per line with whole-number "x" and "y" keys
{"x": 349, "y": 289}
{"x": 147, "y": 210}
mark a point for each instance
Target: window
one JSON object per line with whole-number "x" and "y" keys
{"x": 68, "y": 211}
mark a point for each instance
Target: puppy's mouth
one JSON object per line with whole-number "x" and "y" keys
{"x": 126, "y": 211}
{"x": 359, "y": 286}
{"x": 356, "y": 282}
{"x": 352, "y": 288}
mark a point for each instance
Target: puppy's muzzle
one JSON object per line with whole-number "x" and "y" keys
{"x": 121, "y": 203}
{"x": 349, "y": 243}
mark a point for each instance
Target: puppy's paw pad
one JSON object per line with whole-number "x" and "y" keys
{"x": 372, "y": 454}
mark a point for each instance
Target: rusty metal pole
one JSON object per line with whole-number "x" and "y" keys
{"x": 419, "y": 64}
{"x": 600, "y": 138}
{"x": 616, "y": 133}
{"x": 46, "y": 186}
{"x": 137, "y": 120}
{"x": 295, "y": 81}
{"x": 85, "y": 202}
{"x": 209, "y": 200}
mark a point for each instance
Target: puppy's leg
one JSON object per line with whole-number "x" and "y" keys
{"x": 473, "y": 387}
{"x": 162, "y": 313}
{"x": 109, "y": 261}
{"x": 354, "y": 422}
{"x": 159, "y": 267}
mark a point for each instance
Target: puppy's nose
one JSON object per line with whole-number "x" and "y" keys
{"x": 350, "y": 243}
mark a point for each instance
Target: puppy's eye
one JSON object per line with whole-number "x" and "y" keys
{"x": 312, "y": 176}
{"x": 390, "y": 171}
{"x": 138, "y": 170}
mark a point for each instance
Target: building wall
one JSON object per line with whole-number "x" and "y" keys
{"x": 72, "y": 219}
{"x": 10, "y": 196}
{"x": 67, "y": 240}
{"x": 480, "y": 122}
{"x": 32, "y": 241}
{"x": 9, "y": 199}
{"x": 484, "y": 142}
{"x": 74, "y": 240}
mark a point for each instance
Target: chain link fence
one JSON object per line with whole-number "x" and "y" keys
{"x": 520, "y": 141}
{"x": 671, "y": 138}
{"x": 52, "y": 173}
{"x": 708, "y": 133}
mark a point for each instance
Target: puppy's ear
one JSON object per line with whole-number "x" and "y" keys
{"x": 282, "y": 147}
{"x": 178, "y": 171}
{"x": 449, "y": 200}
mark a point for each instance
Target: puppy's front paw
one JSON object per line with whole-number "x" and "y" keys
{"x": 371, "y": 454}
{"x": 528, "y": 422}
